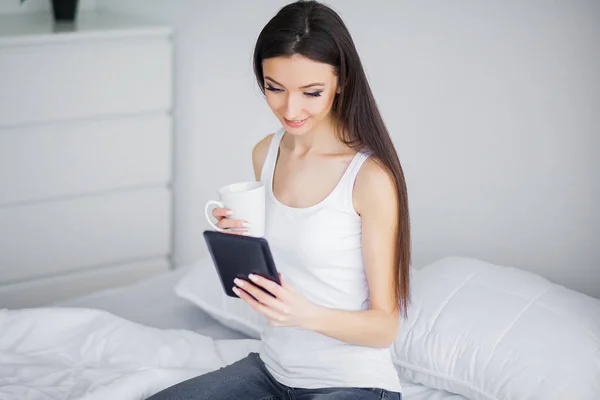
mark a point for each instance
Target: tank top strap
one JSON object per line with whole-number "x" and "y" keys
{"x": 349, "y": 178}
{"x": 266, "y": 174}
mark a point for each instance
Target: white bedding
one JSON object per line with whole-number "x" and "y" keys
{"x": 99, "y": 352}
{"x": 153, "y": 302}
{"x": 90, "y": 354}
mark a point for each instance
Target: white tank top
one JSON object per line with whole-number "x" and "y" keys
{"x": 317, "y": 249}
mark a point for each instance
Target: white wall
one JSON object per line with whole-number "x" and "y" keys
{"x": 493, "y": 108}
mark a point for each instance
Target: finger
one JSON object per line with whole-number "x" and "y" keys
{"x": 229, "y": 223}
{"x": 262, "y": 297}
{"x": 261, "y": 308}
{"x": 269, "y": 285}
{"x": 219, "y": 212}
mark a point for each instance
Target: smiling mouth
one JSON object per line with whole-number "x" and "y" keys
{"x": 296, "y": 121}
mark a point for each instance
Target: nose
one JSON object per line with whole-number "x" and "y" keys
{"x": 292, "y": 108}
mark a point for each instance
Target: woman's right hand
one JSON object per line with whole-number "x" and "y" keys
{"x": 235, "y": 226}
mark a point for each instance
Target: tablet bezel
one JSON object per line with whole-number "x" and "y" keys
{"x": 264, "y": 267}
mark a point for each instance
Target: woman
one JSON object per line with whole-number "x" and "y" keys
{"x": 337, "y": 224}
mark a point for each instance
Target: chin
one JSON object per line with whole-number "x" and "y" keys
{"x": 296, "y": 131}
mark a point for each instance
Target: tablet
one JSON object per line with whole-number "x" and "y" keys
{"x": 237, "y": 256}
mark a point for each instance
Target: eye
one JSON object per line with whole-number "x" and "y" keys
{"x": 314, "y": 94}
{"x": 272, "y": 89}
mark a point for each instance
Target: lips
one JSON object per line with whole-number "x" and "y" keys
{"x": 295, "y": 124}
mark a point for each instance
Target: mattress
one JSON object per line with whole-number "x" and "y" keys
{"x": 153, "y": 302}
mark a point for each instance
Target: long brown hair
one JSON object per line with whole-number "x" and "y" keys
{"x": 315, "y": 31}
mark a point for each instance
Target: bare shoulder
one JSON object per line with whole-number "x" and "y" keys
{"x": 259, "y": 153}
{"x": 374, "y": 187}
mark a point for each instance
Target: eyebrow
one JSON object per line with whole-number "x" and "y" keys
{"x": 301, "y": 87}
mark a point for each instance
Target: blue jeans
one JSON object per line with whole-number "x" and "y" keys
{"x": 249, "y": 379}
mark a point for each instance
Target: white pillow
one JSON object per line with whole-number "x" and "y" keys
{"x": 491, "y": 332}
{"x": 202, "y": 286}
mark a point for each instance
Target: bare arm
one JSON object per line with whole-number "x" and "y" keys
{"x": 376, "y": 201}
{"x": 259, "y": 154}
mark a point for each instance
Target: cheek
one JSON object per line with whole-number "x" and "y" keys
{"x": 323, "y": 104}
{"x": 318, "y": 106}
{"x": 274, "y": 102}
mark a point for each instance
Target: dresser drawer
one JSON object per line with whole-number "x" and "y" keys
{"x": 60, "y": 81}
{"x": 46, "y": 239}
{"x": 67, "y": 159}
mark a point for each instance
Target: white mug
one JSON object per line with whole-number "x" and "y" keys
{"x": 247, "y": 202}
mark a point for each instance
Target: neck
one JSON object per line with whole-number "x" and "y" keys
{"x": 320, "y": 139}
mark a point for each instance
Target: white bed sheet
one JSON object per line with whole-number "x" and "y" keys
{"x": 153, "y": 302}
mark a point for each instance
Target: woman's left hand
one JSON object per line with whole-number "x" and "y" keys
{"x": 288, "y": 308}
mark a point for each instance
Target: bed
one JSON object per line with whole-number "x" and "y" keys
{"x": 153, "y": 302}
{"x": 474, "y": 330}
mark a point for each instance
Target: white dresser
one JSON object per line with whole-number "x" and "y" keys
{"x": 85, "y": 155}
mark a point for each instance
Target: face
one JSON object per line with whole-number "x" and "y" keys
{"x": 299, "y": 91}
